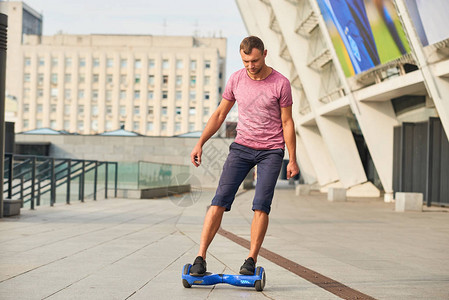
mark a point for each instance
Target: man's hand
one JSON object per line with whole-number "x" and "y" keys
{"x": 195, "y": 156}
{"x": 292, "y": 169}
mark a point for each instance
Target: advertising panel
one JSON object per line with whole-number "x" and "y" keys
{"x": 430, "y": 19}
{"x": 365, "y": 33}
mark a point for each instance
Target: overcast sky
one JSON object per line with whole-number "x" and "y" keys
{"x": 204, "y": 18}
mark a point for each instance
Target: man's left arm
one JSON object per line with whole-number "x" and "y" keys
{"x": 288, "y": 127}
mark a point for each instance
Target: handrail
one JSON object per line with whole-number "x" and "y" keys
{"x": 38, "y": 175}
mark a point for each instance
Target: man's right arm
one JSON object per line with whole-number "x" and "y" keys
{"x": 211, "y": 128}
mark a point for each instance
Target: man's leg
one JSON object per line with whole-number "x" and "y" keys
{"x": 211, "y": 225}
{"x": 258, "y": 230}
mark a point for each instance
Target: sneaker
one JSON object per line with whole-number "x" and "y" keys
{"x": 199, "y": 267}
{"x": 248, "y": 267}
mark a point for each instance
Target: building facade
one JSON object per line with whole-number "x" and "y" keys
{"x": 354, "y": 86}
{"x": 88, "y": 84}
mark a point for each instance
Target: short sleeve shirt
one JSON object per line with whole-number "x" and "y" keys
{"x": 259, "y": 108}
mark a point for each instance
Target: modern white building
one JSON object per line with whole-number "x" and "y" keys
{"x": 88, "y": 84}
{"x": 359, "y": 90}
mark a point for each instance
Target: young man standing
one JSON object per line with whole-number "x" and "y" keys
{"x": 264, "y": 126}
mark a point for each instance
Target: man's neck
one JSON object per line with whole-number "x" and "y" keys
{"x": 262, "y": 74}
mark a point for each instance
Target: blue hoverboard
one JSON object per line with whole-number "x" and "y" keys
{"x": 257, "y": 280}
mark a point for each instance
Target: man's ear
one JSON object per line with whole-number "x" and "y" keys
{"x": 265, "y": 52}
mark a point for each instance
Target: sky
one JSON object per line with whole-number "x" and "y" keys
{"x": 204, "y": 18}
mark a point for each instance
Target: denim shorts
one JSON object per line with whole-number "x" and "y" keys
{"x": 240, "y": 161}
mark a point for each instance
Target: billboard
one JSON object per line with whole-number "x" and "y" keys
{"x": 430, "y": 19}
{"x": 365, "y": 33}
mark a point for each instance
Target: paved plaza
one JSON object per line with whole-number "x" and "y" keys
{"x": 135, "y": 249}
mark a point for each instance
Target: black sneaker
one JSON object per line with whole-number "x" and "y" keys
{"x": 199, "y": 267}
{"x": 248, "y": 267}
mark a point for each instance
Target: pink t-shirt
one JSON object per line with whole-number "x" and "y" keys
{"x": 259, "y": 108}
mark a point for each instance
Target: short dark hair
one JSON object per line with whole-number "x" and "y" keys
{"x": 251, "y": 42}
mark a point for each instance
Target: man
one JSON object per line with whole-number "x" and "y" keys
{"x": 265, "y": 125}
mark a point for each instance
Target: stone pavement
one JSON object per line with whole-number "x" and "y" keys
{"x": 135, "y": 249}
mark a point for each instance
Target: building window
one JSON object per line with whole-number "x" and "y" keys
{"x": 41, "y": 61}
{"x": 178, "y": 110}
{"x": 67, "y": 94}
{"x": 80, "y": 125}
{"x": 94, "y": 95}
{"x": 137, "y": 78}
{"x": 150, "y": 110}
{"x": 178, "y": 95}
{"x": 66, "y": 125}
{"x": 53, "y": 78}
{"x": 68, "y": 62}
{"x": 193, "y": 65}
{"x": 95, "y": 78}
{"x": 109, "y": 78}
{"x": 82, "y": 62}
{"x": 179, "y": 64}
{"x": 137, "y": 94}
{"x": 54, "y": 92}
{"x": 136, "y": 110}
{"x": 109, "y": 109}
{"x": 81, "y": 78}
{"x": 67, "y": 110}
{"x": 27, "y": 61}
{"x": 165, "y": 64}
{"x": 94, "y": 110}
{"x": 192, "y": 81}
{"x": 26, "y": 123}
{"x": 151, "y": 80}
{"x": 122, "y": 110}
{"x": 27, "y": 77}
{"x": 122, "y": 79}
{"x": 68, "y": 78}
{"x": 177, "y": 126}
{"x": 80, "y": 109}
{"x": 94, "y": 125}
{"x": 192, "y": 95}
{"x": 137, "y": 64}
{"x": 164, "y": 126}
{"x": 54, "y": 61}
{"x": 40, "y": 93}
{"x": 26, "y": 93}
{"x": 40, "y": 79}
{"x": 178, "y": 80}
{"x": 192, "y": 111}
{"x": 52, "y": 124}
{"x": 123, "y": 63}
{"x": 150, "y": 126}
{"x": 206, "y": 80}
{"x": 38, "y": 123}
{"x": 122, "y": 94}
{"x": 191, "y": 126}
{"x": 80, "y": 94}
{"x": 164, "y": 94}
{"x": 108, "y": 125}
{"x": 164, "y": 110}
{"x": 151, "y": 64}
{"x": 109, "y": 62}
{"x": 206, "y": 96}
{"x": 150, "y": 95}
{"x": 26, "y": 108}
{"x": 108, "y": 95}
{"x": 135, "y": 126}
{"x": 165, "y": 79}
{"x": 96, "y": 62}
{"x": 207, "y": 64}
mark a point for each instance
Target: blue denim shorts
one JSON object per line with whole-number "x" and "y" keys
{"x": 240, "y": 161}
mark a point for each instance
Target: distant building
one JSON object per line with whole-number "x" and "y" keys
{"x": 88, "y": 84}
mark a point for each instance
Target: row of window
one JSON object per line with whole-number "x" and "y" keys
{"x": 122, "y": 110}
{"x": 137, "y": 94}
{"x": 110, "y": 62}
{"x": 109, "y": 125}
{"x": 110, "y": 78}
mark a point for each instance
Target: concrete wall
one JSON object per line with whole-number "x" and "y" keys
{"x": 132, "y": 149}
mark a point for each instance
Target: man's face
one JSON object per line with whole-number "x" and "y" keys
{"x": 255, "y": 61}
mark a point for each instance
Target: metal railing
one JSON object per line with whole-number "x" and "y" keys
{"x": 29, "y": 177}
